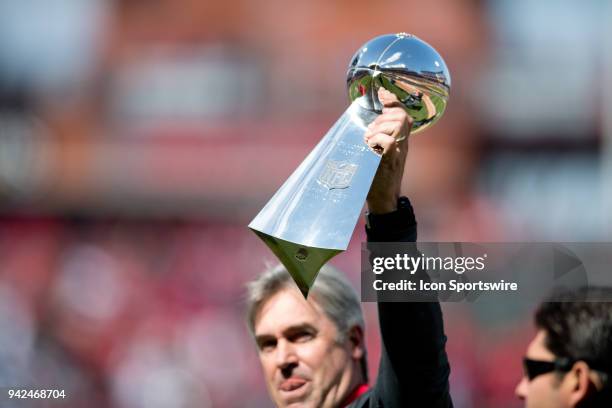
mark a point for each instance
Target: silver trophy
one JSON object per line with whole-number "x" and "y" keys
{"x": 312, "y": 216}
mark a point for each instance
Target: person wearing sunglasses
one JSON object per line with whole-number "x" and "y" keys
{"x": 569, "y": 362}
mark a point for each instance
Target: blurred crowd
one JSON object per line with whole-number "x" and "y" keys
{"x": 138, "y": 139}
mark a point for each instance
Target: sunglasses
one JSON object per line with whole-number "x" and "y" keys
{"x": 534, "y": 368}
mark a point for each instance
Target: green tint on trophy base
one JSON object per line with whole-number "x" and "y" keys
{"x": 302, "y": 262}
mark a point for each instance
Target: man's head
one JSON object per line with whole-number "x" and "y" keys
{"x": 312, "y": 351}
{"x": 569, "y": 362}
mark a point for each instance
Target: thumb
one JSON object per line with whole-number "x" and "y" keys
{"x": 387, "y": 98}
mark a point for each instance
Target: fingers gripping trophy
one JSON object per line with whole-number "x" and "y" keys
{"x": 312, "y": 216}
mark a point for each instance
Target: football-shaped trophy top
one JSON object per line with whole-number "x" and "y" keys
{"x": 407, "y": 66}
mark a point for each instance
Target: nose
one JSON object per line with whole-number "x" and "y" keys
{"x": 285, "y": 355}
{"x": 521, "y": 389}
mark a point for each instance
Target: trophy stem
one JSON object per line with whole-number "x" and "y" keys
{"x": 302, "y": 262}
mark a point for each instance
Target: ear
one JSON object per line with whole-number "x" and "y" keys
{"x": 580, "y": 385}
{"x": 356, "y": 339}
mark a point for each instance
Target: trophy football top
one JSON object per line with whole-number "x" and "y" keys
{"x": 407, "y": 66}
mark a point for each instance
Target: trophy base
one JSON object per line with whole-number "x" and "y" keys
{"x": 302, "y": 262}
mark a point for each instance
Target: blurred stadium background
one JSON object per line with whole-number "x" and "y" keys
{"x": 138, "y": 138}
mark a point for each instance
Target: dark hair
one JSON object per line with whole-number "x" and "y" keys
{"x": 579, "y": 328}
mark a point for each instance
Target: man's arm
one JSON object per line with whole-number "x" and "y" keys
{"x": 414, "y": 367}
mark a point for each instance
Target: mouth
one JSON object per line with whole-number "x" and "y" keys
{"x": 292, "y": 384}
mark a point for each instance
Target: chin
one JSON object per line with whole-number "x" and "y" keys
{"x": 299, "y": 404}
{"x": 297, "y": 400}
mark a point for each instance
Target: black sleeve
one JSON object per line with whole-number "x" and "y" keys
{"x": 414, "y": 368}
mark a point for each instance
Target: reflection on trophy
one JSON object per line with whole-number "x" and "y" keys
{"x": 312, "y": 216}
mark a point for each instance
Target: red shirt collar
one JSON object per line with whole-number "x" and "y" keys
{"x": 357, "y": 392}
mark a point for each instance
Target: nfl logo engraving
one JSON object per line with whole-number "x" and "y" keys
{"x": 337, "y": 174}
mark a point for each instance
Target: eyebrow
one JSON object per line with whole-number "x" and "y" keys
{"x": 299, "y": 328}
{"x": 260, "y": 338}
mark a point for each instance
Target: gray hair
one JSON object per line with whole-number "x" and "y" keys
{"x": 331, "y": 291}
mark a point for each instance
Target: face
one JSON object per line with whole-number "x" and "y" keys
{"x": 545, "y": 390}
{"x": 303, "y": 362}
